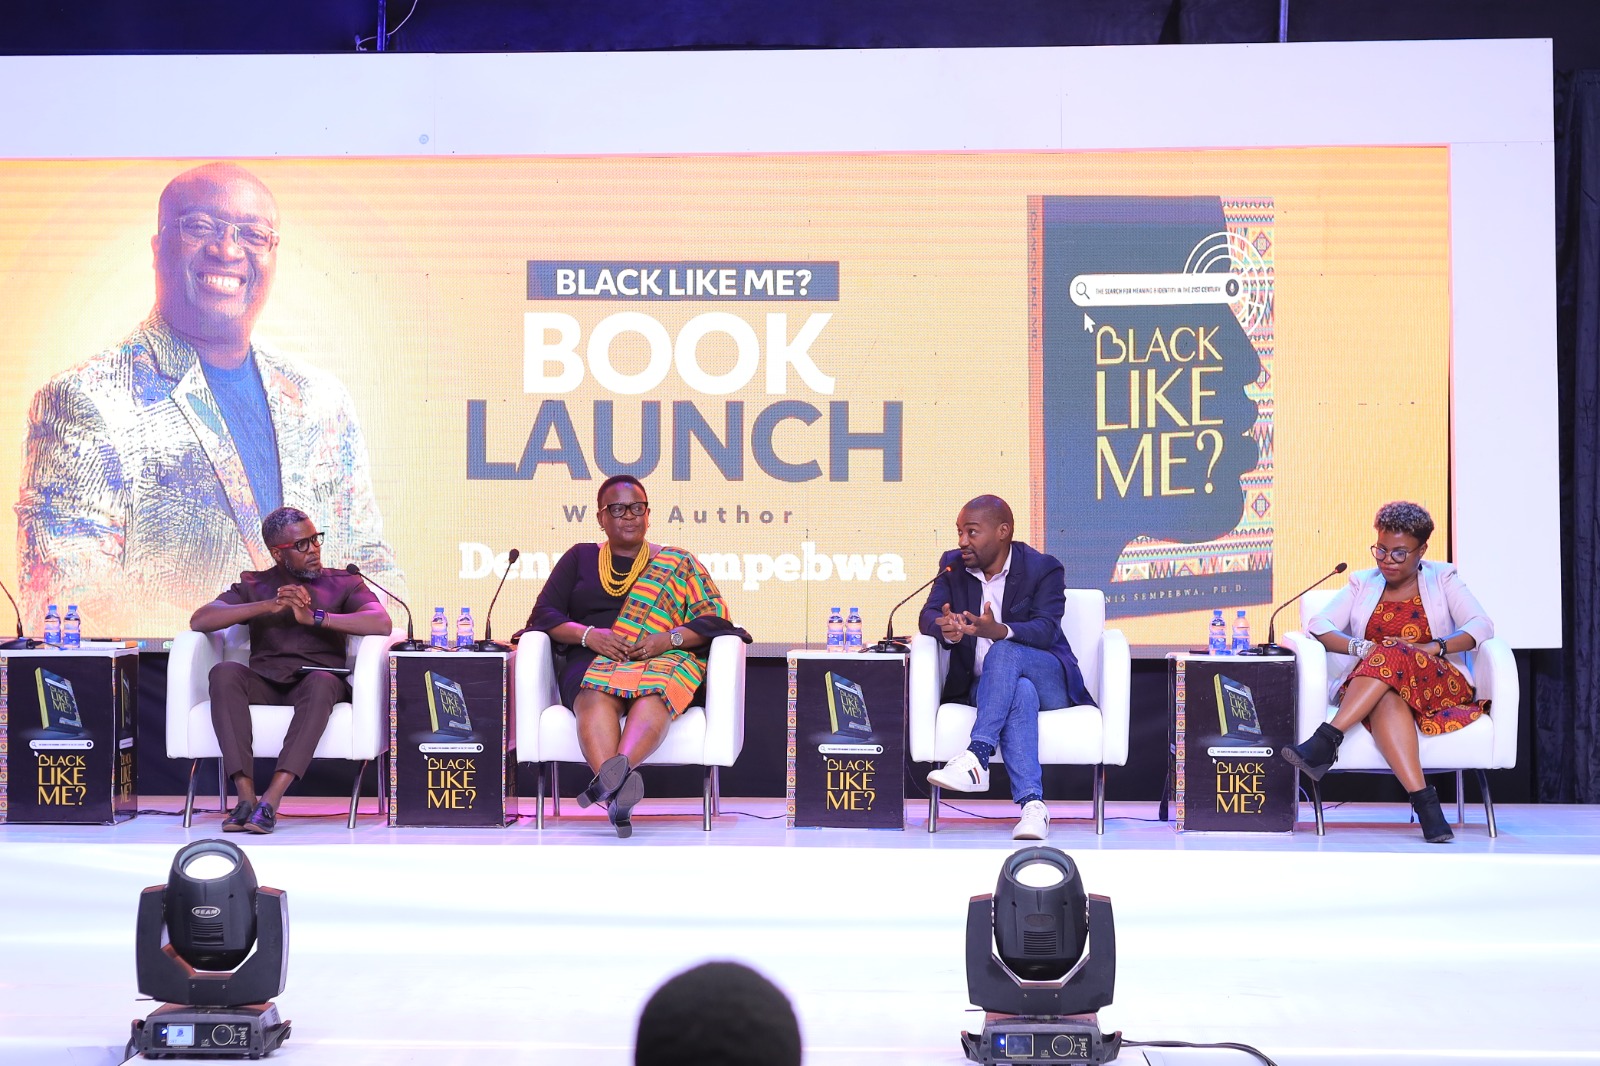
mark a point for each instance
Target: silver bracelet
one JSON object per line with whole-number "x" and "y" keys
{"x": 1359, "y": 648}
{"x": 586, "y": 632}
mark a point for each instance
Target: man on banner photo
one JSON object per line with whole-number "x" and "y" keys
{"x": 997, "y": 606}
{"x": 147, "y": 468}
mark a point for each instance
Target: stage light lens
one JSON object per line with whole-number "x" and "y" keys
{"x": 1039, "y": 875}
{"x": 209, "y": 866}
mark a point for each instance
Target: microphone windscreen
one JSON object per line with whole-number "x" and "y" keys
{"x": 1341, "y": 568}
{"x": 353, "y": 569}
{"x": 512, "y": 555}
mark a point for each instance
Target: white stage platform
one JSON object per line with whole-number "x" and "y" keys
{"x": 479, "y": 947}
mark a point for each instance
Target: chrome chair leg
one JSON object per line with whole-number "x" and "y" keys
{"x": 355, "y": 793}
{"x": 188, "y": 802}
{"x": 538, "y": 795}
{"x": 716, "y": 790}
{"x": 222, "y": 788}
{"x": 1100, "y": 799}
{"x": 1461, "y": 798}
{"x": 1488, "y": 804}
{"x": 933, "y": 808}
{"x": 707, "y": 788}
{"x": 555, "y": 789}
{"x": 1316, "y": 805}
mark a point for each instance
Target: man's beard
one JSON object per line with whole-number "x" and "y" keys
{"x": 305, "y": 575}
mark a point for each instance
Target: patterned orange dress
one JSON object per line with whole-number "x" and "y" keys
{"x": 1438, "y": 693}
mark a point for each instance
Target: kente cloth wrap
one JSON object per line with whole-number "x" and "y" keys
{"x": 673, "y": 589}
{"x": 1439, "y": 694}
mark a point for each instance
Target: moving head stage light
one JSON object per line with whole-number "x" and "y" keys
{"x": 193, "y": 951}
{"x": 1041, "y": 960}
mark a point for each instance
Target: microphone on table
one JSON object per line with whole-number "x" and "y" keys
{"x": 21, "y": 642}
{"x": 898, "y": 647}
{"x": 488, "y": 643}
{"x": 1271, "y": 646}
{"x": 411, "y": 643}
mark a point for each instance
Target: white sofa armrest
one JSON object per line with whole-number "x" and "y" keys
{"x": 1311, "y": 670}
{"x": 1494, "y": 671}
{"x": 533, "y": 689}
{"x": 929, "y": 664}
{"x": 1116, "y": 683}
{"x": 724, "y": 706}
{"x": 188, "y": 684}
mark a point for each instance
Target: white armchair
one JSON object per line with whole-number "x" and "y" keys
{"x": 358, "y": 730}
{"x": 711, "y": 736}
{"x": 1079, "y": 736}
{"x": 1490, "y": 743}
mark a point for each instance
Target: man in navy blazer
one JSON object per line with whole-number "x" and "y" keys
{"x": 997, "y": 605}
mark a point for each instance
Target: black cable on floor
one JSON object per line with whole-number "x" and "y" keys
{"x": 1227, "y": 1044}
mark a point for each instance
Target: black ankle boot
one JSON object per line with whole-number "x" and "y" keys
{"x": 1435, "y": 828}
{"x": 1317, "y": 753}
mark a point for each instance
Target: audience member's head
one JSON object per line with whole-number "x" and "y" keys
{"x": 718, "y": 1014}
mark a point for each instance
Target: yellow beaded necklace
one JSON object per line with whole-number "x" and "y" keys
{"x": 608, "y": 579}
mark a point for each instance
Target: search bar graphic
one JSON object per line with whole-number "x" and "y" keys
{"x": 1138, "y": 290}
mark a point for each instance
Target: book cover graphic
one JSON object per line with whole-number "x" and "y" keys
{"x": 58, "y": 707}
{"x": 447, "y": 706}
{"x": 847, "y": 707}
{"x": 1151, "y": 346}
{"x": 1236, "y": 711}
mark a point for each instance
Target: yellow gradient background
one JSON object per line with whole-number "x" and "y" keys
{"x": 406, "y": 278}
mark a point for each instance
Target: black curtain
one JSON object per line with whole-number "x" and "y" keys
{"x": 1566, "y": 702}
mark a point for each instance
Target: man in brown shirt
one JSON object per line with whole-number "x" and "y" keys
{"x": 299, "y": 616}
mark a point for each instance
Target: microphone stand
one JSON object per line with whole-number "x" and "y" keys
{"x": 21, "y": 643}
{"x": 890, "y": 644}
{"x": 1271, "y": 646}
{"x": 411, "y": 643}
{"x": 488, "y": 643}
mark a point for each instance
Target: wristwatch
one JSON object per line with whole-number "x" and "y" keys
{"x": 318, "y": 617}
{"x": 676, "y": 636}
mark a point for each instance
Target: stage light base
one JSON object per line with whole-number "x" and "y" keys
{"x": 1062, "y": 1040}
{"x": 175, "y": 1031}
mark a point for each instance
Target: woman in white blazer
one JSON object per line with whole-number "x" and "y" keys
{"x": 1400, "y": 639}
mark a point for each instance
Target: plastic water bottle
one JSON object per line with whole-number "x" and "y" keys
{"x": 852, "y": 630}
{"x": 1218, "y": 643}
{"x": 52, "y": 624}
{"x": 1241, "y": 634}
{"x": 835, "y": 630}
{"x": 72, "y": 628}
{"x": 441, "y": 629}
{"x": 464, "y": 637}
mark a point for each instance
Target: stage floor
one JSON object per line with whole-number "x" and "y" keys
{"x": 516, "y": 946}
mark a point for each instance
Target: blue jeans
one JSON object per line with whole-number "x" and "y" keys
{"x": 1017, "y": 683}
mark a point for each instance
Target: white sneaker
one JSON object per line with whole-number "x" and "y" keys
{"x": 1034, "y": 823}
{"x": 961, "y": 774}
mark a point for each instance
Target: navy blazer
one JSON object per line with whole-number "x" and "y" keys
{"x": 1034, "y": 602}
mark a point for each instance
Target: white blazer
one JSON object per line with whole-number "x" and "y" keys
{"x": 1449, "y": 604}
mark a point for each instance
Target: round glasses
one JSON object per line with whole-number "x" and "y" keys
{"x": 1398, "y": 555}
{"x": 617, "y": 510}
{"x": 200, "y": 228}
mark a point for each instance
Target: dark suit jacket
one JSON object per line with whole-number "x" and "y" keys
{"x": 1033, "y": 605}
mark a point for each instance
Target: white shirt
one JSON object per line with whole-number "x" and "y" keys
{"x": 994, "y": 594}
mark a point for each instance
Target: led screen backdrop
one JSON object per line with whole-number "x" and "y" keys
{"x": 1161, "y": 359}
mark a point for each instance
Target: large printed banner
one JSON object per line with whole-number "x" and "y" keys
{"x": 1164, "y": 361}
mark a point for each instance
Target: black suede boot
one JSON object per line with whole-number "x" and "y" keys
{"x": 1435, "y": 827}
{"x": 1316, "y": 753}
